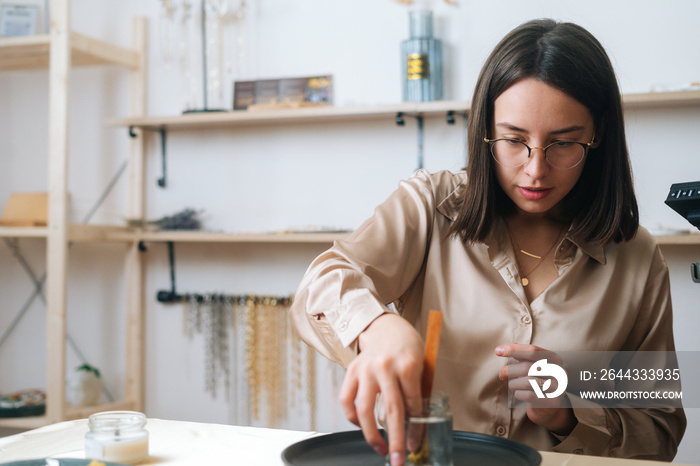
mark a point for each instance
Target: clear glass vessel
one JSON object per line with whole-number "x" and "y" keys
{"x": 421, "y": 59}
{"x": 428, "y": 430}
{"x": 118, "y": 436}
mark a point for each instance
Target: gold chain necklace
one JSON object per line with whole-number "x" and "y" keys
{"x": 524, "y": 280}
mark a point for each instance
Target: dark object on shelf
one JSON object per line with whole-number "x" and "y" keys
{"x": 23, "y": 403}
{"x": 172, "y": 296}
{"x": 350, "y": 448}
{"x": 183, "y": 220}
{"x": 684, "y": 198}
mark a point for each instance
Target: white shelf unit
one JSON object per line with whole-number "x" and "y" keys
{"x": 58, "y": 52}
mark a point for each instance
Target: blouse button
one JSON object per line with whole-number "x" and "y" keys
{"x": 500, "y": 430}
{"x": 526, "y": 319}
{"x": 343, "y": 326}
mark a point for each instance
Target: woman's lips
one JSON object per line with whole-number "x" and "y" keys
{"x": 534, "y": 194}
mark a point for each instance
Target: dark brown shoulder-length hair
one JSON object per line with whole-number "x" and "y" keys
{"x": 602, "y": 206}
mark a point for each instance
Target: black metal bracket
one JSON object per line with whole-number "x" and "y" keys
{"x": 449, "y": 118}
{"x": 695, "y": 271}
{"x": 163, "y": 136}
{"x": 172, "y": 296}
{"x": 165, "y": 296}
{"x": 419, "y": 120}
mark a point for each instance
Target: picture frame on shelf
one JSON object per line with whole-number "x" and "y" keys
{"x": 20, "y": 18}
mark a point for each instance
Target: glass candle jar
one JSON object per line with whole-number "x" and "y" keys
{"x": 117, "y": 436}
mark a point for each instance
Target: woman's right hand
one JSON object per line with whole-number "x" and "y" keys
{"x": 390, "y": 362}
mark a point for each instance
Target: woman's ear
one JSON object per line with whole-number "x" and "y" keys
{"x": 599, "y": 132}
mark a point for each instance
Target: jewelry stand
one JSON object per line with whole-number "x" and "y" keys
{"x": 204, "y": 68}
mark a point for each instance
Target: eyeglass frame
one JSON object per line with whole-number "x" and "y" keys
{"x": 585, "y": 145}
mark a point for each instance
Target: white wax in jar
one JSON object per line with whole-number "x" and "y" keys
{"x": 127, "y": 450}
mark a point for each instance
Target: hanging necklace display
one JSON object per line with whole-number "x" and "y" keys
{"x": 296, "y": 381}
{"x": 277, "y": 371}
{"x": 240, "y": 393}
{"x": 311, "y": 385}
{"x": 523, "y": 276}
{"x": 251, "y": 356}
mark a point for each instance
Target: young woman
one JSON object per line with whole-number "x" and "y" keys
{"x": 534, "y": 248}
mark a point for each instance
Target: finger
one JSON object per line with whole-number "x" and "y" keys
{"x": 514, "y": 370}
{"x": 410, "y": 384}
{"x": 364, "y": 408}
{"x": 346, "y": 397}
{"x": 519, "y": 369}
{"x": 415, "y": 431}
{"x": 523, "y": 352}
{"x": 529, "y": 396}
{"x": 395, "y": 425}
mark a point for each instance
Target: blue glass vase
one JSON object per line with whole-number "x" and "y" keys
{"x": 421, "y": 59}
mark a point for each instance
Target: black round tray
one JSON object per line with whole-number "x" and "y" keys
{"x": 350, "y": 449}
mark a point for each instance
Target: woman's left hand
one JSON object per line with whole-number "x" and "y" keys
{"x": 554, "y": 414}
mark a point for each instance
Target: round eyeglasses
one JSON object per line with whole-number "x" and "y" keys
{"x": 512, "y": 153}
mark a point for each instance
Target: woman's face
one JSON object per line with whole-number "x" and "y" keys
{"x": 538, "y": 115}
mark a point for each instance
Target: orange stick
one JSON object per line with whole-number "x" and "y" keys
{"x": 432, "y": 342}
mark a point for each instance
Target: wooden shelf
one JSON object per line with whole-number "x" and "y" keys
{"x": 107, "y": 233}
{"x": 264, "y": 238}
{"x": 292, "y": 116}
{"x": 23, "y": 232}
{"x": 32, "y": 52}
{"x": 80, "y": 233}
{"x": 102, "y": 233}
{"x": 58, "y": 53}
{"x": 368, "y": 113}
{"x": 679, "y": 240}
{"x": 661, "y": 99}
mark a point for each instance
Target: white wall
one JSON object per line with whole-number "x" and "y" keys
{"x": 328, "y": 174}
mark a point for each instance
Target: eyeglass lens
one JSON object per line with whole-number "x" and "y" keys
{"x": 512, "y": 153}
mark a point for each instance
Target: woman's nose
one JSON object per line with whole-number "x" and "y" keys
{"x": 537, "y": 166}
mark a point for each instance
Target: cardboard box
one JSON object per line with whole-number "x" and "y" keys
{"x": 26, "y": 209}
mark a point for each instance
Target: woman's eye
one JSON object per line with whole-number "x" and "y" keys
{"x": 564, "y": 144}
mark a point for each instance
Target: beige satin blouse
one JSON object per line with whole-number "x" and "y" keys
{"x": 605, "y": 299}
